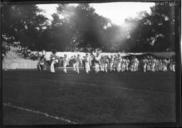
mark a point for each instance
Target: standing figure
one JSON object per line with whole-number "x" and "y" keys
{"x": 41, "y": 63}
{"x": 164, "y": 65}
{"x": 123, "y": 64}
{"x": 136, "y": 64}
{"x": 54, "y": 60}
{"x": 77, "y": 64}
{"x": 92, "y": 57}
{"x": 153, "y": 65}
{"x": 97, "y": 63}
{"x": 65, "y": 63}
{"x": 47, "y": 58}
{"x": 115, "y": 63}
{"x": 74, "y": 63}
{"x": 145, "y": 61}
{"x": 101, "y": 63}
{"x": 119, "y": 61}
{"x": 106, "y": 63}
{"x": 172, "y": 65}
{"x": 132, "y": 66}
{"x": 87, "y": 63}
{"x": 111, "y": 63}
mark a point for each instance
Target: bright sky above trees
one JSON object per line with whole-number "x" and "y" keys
{"x": 117, "y": 12}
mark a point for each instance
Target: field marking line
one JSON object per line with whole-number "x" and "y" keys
{"x": 40, "y": 113}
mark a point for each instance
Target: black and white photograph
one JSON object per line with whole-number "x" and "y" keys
{"x": 89, "y": 63}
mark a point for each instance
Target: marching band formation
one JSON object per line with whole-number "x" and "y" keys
{"x": 106, "y": 63}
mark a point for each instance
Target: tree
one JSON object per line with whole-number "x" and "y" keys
{"x": 86, "y": 25}
{"x": 79, "y": 28}
{"x": 23, "y": 23}
{"x": 155, "y": 32}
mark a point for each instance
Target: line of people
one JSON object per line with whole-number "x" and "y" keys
{"x": 104, "y": 63}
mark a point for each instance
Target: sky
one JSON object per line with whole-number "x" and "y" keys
{"x": 117, "y": 12}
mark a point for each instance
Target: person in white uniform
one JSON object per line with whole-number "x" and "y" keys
{"x": 74, "y": 63}
{"x": 111, "y": 63}
{"x": 119, "y": 61}
{"x": 65, "y": 63}
{"x": 106, "y": 64}
{"x": 77, "y": 64}
{"x": 101, "y": 64}
{"x": 87, "y": 63}
{"x": 97, "y": 63}
{"x": 54, "y": 60}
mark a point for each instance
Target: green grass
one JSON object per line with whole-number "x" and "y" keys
{"x": 89, "y": 99}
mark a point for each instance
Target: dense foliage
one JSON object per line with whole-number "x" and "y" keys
{"x": 82, "y": 29}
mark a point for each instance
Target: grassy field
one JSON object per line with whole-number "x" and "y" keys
{"x": 37, "y": 97}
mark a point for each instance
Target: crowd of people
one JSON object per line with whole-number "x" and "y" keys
{"x": 97, "y": 62}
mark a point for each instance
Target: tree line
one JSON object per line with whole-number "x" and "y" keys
{"x": 82, "y": 29}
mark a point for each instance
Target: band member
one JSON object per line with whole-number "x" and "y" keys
{"x": 102, "y": 63}
{"x": 74, "y": 63}
{"x": 47, "y": 60}
{"x": 54, "y": 60}
{"x": 153, "y": 65}
{"x": 97, "y": 63}
{"x": 111, "y": 63}
{"x": 87, "y": 63}
{"x": 106, "y": 64}
{"x": 145, "y": 61}
{"x": 119, "y": 60}
{"x": 164, "y": 65}
{"x": 132, "y": 66}
{"x": 65, "y": 63}
{"x": 127, "y": 64}
{"x": 123, "y": 64}
{"x": 77, "y": 64}
{"x": 92, "y": 61}
{"x": 41, "y": 64}
{"x": 136, "y": 64}
{"x": 115, "y": 63}
{"x": 172, "y": 65}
